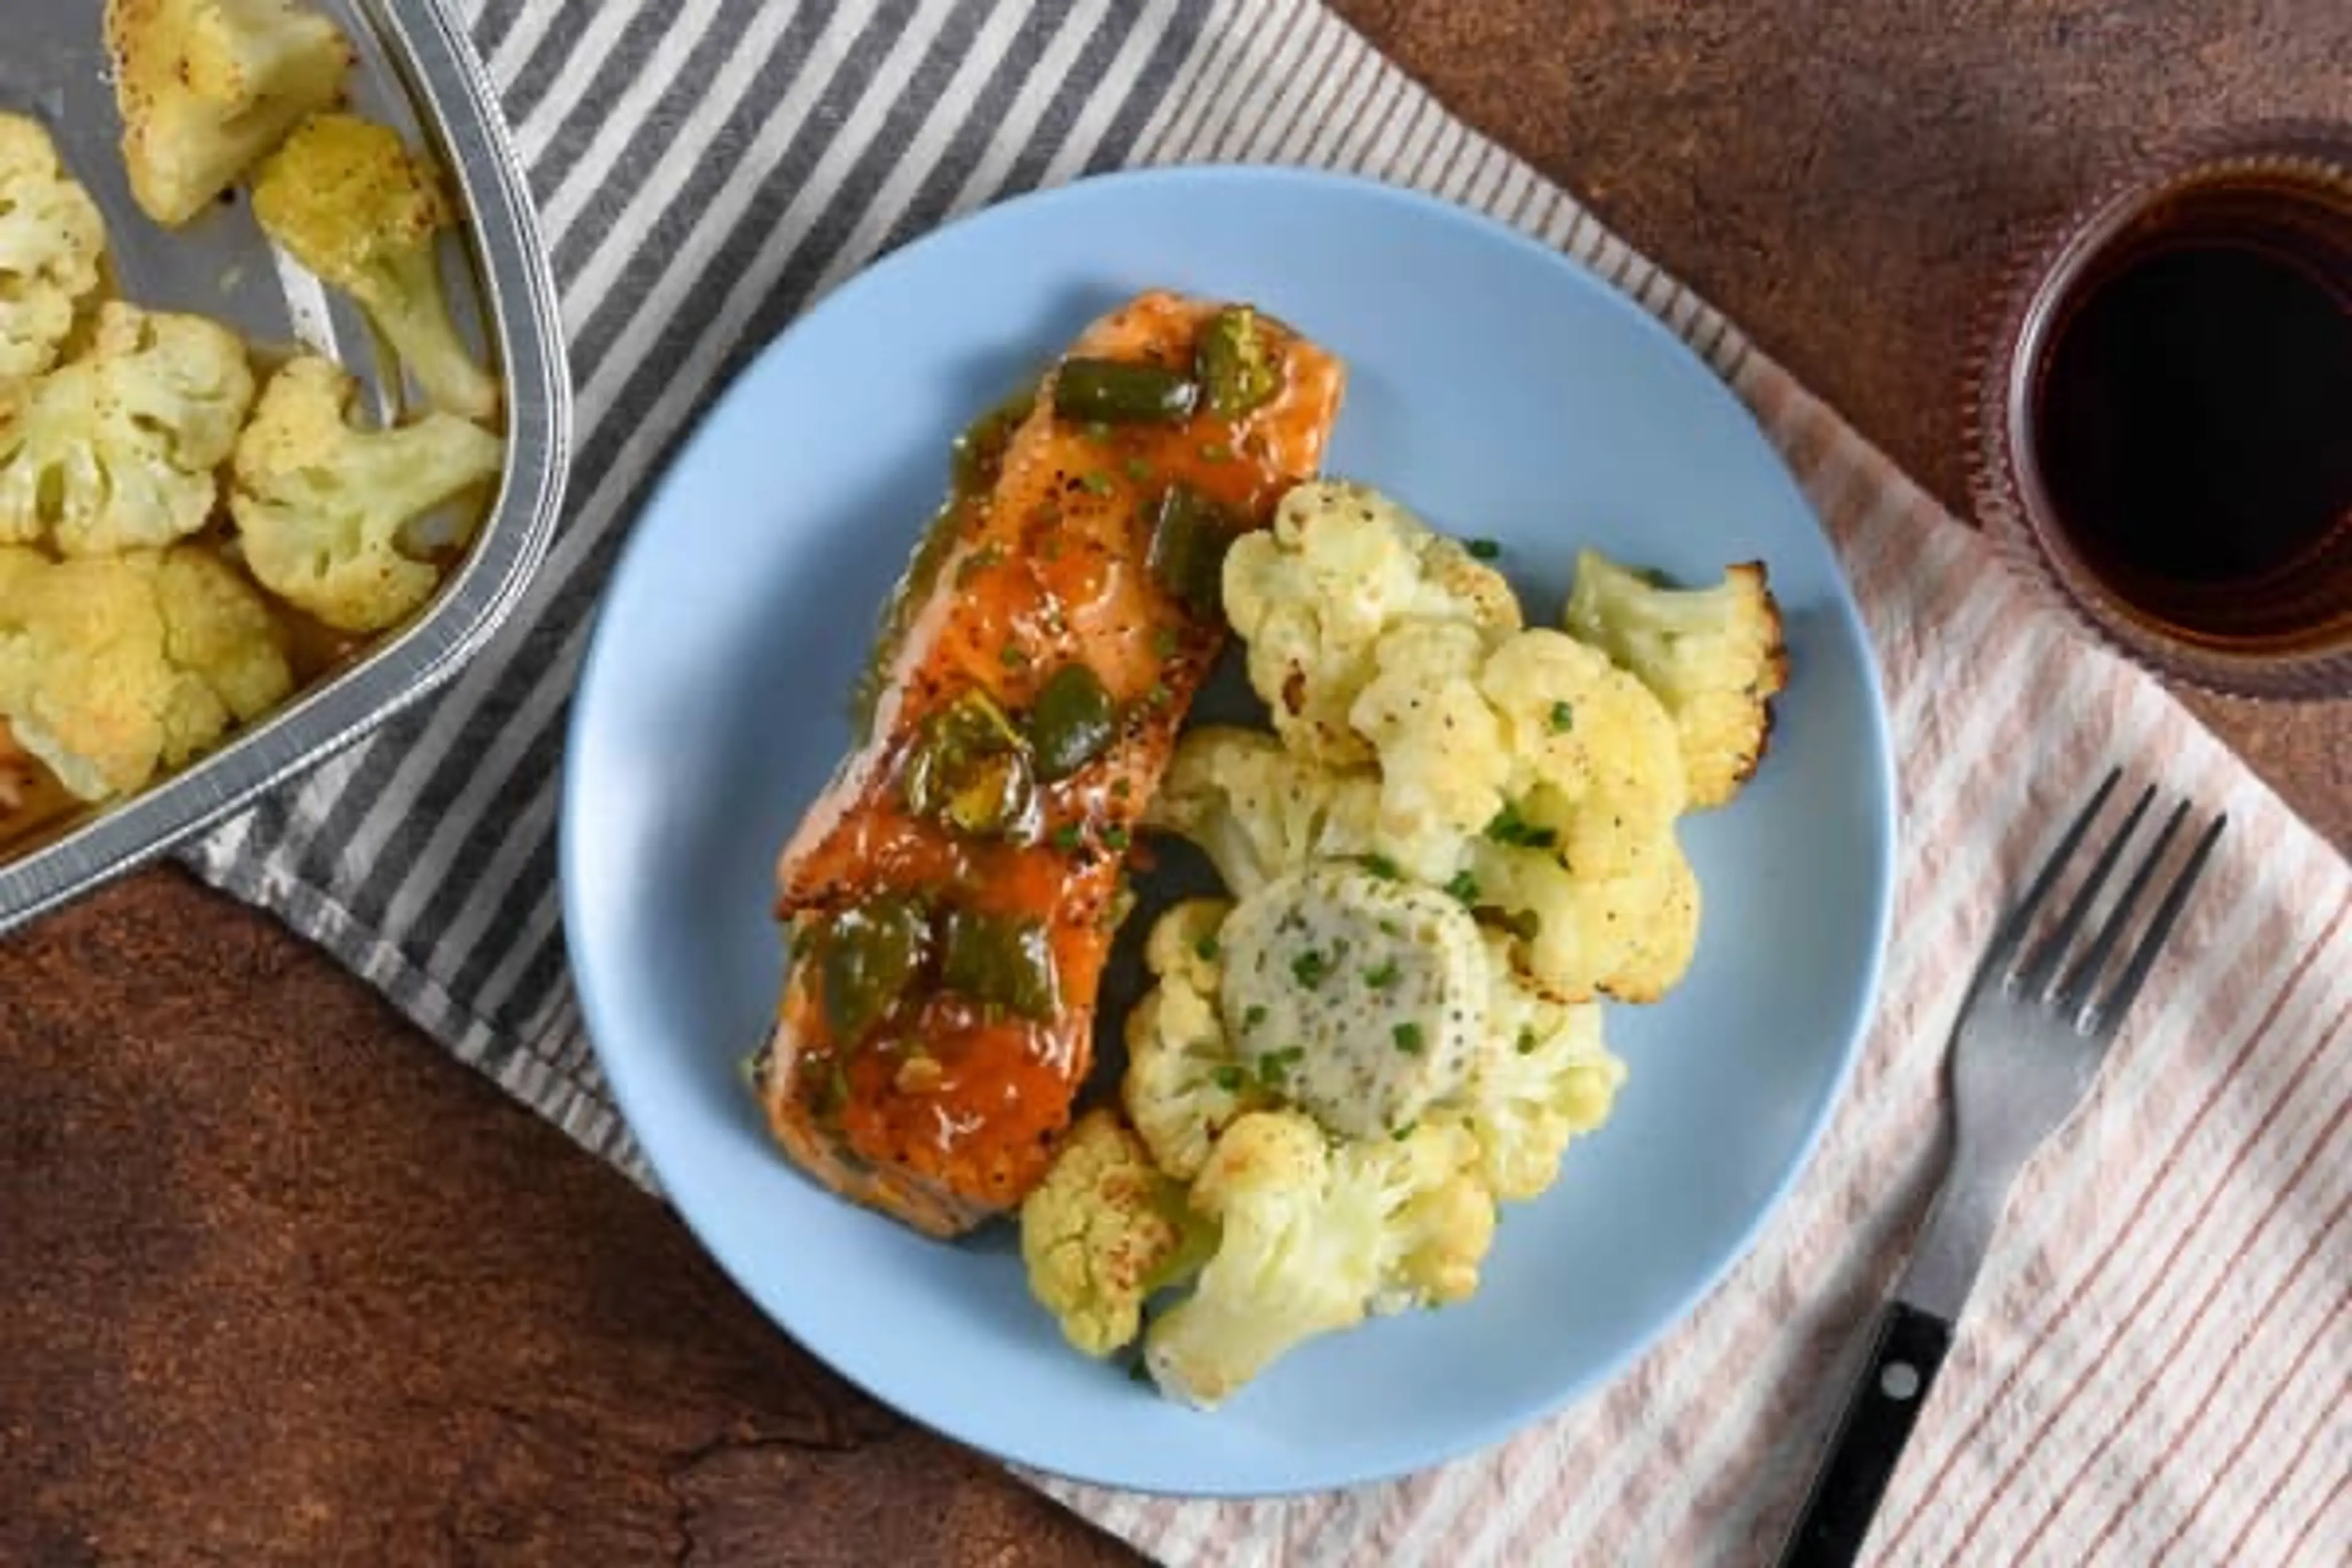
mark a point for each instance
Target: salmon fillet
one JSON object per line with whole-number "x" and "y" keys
{"x": 945, "y": 1106}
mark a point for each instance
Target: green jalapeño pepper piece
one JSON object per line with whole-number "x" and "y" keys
{"x": 1234, "y": 363}
{"x": 1072, "y": 723}
{"x": 970, "y": 768}
{"x": 1190, "y": 535}
{"x": 1122, "y": 391}
{"x": 870, "y": 953}
{"x": 1000, "y": 958}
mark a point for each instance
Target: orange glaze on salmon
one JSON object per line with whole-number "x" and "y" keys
{"x": 946, "y": 1108}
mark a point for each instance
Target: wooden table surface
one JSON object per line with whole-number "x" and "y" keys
{"x": 279, "y": 1283}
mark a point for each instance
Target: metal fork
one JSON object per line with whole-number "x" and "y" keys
{"x": 2031, "y": 1035}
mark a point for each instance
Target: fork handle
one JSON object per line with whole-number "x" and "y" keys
{"x": 1905, "y": 1351}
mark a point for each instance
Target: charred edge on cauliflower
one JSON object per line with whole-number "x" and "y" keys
{"x": 1715, "y": 656}
{"x": 207, "y": 87}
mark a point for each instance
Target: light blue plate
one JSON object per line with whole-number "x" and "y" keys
{"x": 1498, "y": 389}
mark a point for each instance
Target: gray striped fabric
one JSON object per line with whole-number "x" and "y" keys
{"x": 704, "y": 170}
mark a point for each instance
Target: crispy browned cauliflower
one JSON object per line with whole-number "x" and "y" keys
{"x": 52, "y": 241}
{"x": 348, "y": 200}
{"x": 328, "y": 514}
{"x": 207, "y": 87}
{"x": 1103, "y": 1231}
{"x": 1714, "y": 656}
{"x": 115, "y": 668}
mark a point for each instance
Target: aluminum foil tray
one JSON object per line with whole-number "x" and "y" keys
{"x": 418, "y": 73}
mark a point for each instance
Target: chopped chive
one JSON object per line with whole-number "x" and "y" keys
{"x": 1138, "y": 470}
{"x": 1407, "y": 1038}
{"x": 1465, "y": 886}
{"x": 1163, "y": 642}
{"x": 1115, "y": 837}
{"x": 1404, "y": 1133}
{"x": 1207, "y": 947}
{"x": 1563, "y": 718}
{"x": 1228, "y": 1077}
{"x": 1484, "y": 548}
{"x": 1383, "y": 977}
{"x": 1309, "y": 968}
{"x": 1013, "y": 658}
{"x": 1510, "y": 827}
{"x": 1096, "y": 482}
{"x": 1527, "y": 1042}
{"x": 1066, "y": 836}
{"x": 1381, "y": 866}
{"x": 1253, "y": 1016}
{"x": 1158, "y": 696}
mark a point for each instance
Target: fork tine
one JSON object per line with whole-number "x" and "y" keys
{"x": 2012, "y": 930}
{"x": 2109, "y": 1016}
{"x": 2084, "y": 973}
{"x": 2034, "y": 977}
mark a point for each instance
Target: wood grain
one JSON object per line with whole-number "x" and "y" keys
{"x": 280, "y": 1284}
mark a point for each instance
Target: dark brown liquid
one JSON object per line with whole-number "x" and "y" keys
{"x": 2193, "y": 416}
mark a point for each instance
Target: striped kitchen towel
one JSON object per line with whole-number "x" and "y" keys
{"x": 2154, "y": 1369}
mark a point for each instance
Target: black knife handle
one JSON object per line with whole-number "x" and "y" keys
{"x": 1905, "y": 1354}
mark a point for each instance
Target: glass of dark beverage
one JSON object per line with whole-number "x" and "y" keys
{"x": 2163, "y": 419}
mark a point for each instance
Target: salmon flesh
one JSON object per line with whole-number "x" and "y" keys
{"x": 921, "y": 1093}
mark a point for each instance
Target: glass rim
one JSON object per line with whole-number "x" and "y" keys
{"x": 2005, "y": 487}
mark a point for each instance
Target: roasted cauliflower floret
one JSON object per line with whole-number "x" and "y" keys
{"x": 1597, "y": 772}
{"x": 52, "y": 241}
{"x": 1547, "y": 1077}
{"x": 116, "y": 449}
{"x": 1313, "y": 1237}
{"x": 1438, "y": 1215}
{"x": 1714, "y": 656}
{"x": 1257, "y": 811}
{"x": 1104, "y": 1231}
{"x": 115, "y": 668}
{"x": 1311, "y": 596}
{"x": 1186, "y": 1080}
{"x": 1445, "y": 765}
{"x": 328, "y": 515}
{"x": 207, "y": 87}
{"x": 1575, "y": 936}
{"x": 1359, "y": 998}
{"x": 348, "y": 200}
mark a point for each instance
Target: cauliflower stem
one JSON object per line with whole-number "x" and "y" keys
{"x": 348, "y": 200}
{"x": 1313, "y": 1237}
